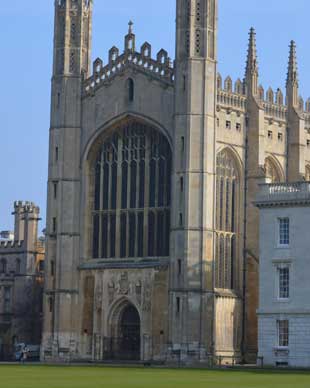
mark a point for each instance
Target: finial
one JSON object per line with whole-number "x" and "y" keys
{"x": 292, "y": 73}
{"x": 130, "y": 24}
{"x": 252, "y": 53}
{"x": 251, "y": 70}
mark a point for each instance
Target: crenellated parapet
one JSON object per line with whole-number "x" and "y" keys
{"x": 273, "y": 104}
{"x": 11, "y": 245}
{"x": 229, "y": 96}
{"x": 232, "y": 96}
{"x": 160, "y": 67}
{"x": 25, "y": 206}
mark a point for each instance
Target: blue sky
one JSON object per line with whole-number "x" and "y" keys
{"x": 26, "y": 32}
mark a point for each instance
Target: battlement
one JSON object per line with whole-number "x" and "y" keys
{"x": 63, "y": 3}
{"x": 230, "y": 97}
{"x": 9, "y": 244}
{"x": 234, "y": 97}
{"x": 25, "y": 207}
{"x": 160, "y": 68}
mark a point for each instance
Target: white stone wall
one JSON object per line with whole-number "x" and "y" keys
{"x": 298, "y": 351}
{"x": 296, "y": 308}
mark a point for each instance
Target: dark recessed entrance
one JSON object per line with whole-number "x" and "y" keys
{"x": 130, "y": 334}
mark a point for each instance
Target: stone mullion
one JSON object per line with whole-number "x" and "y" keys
{"x": 217, "y": 226}
{"x": 222, "y": 260}
{"x": 109, "y": 213}
{"x": 119, "y": 198}
{"x": 221, "y": 204}
{"x": 237, "y": 263}
{"x": 165, "y": 196}
{"x": 146, "y": 196}
{"x": 217, "y": 255}
{"x": 224, "y": 235}
{"x": 137, "y": 195}
{"x": 130, "y": 146}
{"x": 156, "y": 212}
{"x": 137, "y": 231}
{"x": 127, "y": 234}
{"x": 229, "y": 210}
{"x": 227, "y": 261}
{"x": 100, "y": 253}
{"x": 157, "y": 177}
{"x": 224, "y": 204}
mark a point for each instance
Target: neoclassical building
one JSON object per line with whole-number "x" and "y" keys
{"x": 152, "y": 235}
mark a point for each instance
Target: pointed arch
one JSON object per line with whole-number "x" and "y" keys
{"x": 115, "y": 313}
{"x": 273, "y": 170}
{"x": 122, "y": 169}
{"x": 124, "y": 330}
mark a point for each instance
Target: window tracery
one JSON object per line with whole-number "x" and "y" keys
{"x": 131, "y": 216}
{"x": 227, "y": 199}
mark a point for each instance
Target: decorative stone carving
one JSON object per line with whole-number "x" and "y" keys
{"x": 98, "y": 298}
{"x": 147, "y": 303}
{"x": 138, "y": 290}
{"x": 123, "y": 284}
{"x": 111, "y": 291}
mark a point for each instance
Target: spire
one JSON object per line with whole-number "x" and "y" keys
{"x": 292, "y": 77}
{"x": 251, "y": 71}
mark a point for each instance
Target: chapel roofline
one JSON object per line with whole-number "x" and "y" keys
{"x": 160, "y": 68}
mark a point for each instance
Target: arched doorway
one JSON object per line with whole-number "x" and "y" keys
{"x": 129, "y": 329}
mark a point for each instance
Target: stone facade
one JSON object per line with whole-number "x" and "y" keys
{"x": 284, "y": 286}
{"x": 154, "y": 166}
{"x": 21, "y": 281}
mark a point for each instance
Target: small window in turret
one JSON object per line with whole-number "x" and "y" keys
{"x": 238, "y": 127}
{"x": 280, "y": 136}
{"x": 228, "y": 124}
{"x": 56, "y": 154}
{"x": 131, "y": 90}
{"x": 3, "y": 266}
{"x": 50, "y": 304}
{"x": 55, "y": 187}
{"x": 308, "y": 143}
{"x": 54, "y": 225}
{"x": 182, "y": 143}
{"x": 58, "y": 100}
{"x": 52, "y": 268}
{"x": 270, "y": 136}
{"x": 178, "y": 304}
{"x": 181, "y": 184}
{"x": 179, "y": 267}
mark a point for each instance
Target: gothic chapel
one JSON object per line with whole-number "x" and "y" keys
{"x": 152, "y": 235}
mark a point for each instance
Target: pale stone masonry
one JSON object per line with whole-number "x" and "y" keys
{"x": 284, "y": 288}
{"x": 21, "y": 281}
{"x": 153, "y": 169}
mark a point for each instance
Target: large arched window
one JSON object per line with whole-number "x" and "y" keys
{"x": 227, "y": 215}
{"x": 131, "y": 216}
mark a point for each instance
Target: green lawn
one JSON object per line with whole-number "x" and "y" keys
{"x": 99, "y": 377}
